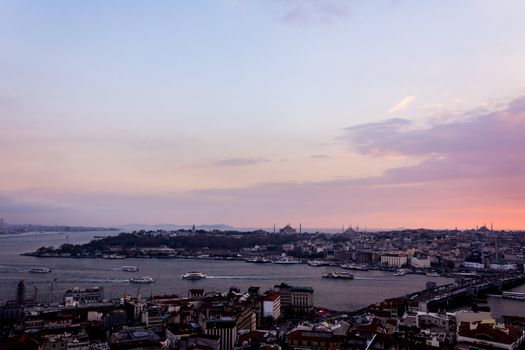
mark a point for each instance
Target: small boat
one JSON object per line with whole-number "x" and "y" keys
{"x": 259, "y": 260}
{"x": 145, "y": 279}
{"x": 129, "y": 268}
{"x": 339, "y": 275}
{"x": 356, "y": 267}
{"x": 287, "y": 261}
{"x": 42, "y": 269}
{"x": 114, "y": 256}
{"x": 433, "y": 274}
{"x": 400, "y": 272}
{"x": 317, "y": 263}
{"x": 193, "y": 275}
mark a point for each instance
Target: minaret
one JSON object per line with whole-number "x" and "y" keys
{"x": 273, "y": 228}
{"x": 193, "y": 229}
{"x": 300, "y": 228}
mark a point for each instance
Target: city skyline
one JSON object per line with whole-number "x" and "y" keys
{"x": 387, "y": 114}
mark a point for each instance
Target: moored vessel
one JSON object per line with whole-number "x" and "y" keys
{"x": 317, "y": 263}
{"x": 259, "y": 260}
{"x": 401, "y": 272}
{"x": 356, "y": 267}
{"x": 287, "y": 261}
{"x": 113, "y": 256}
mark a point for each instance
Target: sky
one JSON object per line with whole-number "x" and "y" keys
{"x": 382, "y": 114}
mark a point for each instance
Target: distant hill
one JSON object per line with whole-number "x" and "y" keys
{"x": 22, "y": 228}
{"x": 174, "y": 227}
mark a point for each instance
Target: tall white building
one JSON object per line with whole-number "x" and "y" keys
{"x": 393, "y": 260}
{"x": 272, "y": 306}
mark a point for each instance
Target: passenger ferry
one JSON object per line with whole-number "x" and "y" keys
{"x": 356, "y": 267}
{"x": 145, "y": 279}
{"x": 259, "y": 260}
{"x": 339, "y": 275}
{"x": 129, "y": 268}
{"x": 287, "y": 261}
{"x": 433, "y": 274}
{"x": 42, "y": 269}
{"x": 401, "y": 272}
{"x": 193, "y": 275}
{"x": 317, "y": 263}
{"x": 113, "y": 256}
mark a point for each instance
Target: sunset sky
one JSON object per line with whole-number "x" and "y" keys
{"x": 382, "y": 114}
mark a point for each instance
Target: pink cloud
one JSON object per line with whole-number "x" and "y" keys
{"x": 471, "y": 171}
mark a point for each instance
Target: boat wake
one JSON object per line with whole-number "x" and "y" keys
{"x": 372, "y": 278}
{"x": 87, "y": 280}
{"x": 257, "y": 277}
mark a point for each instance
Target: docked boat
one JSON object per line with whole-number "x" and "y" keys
{"x": 339, "y": 275}
{"x": 513, "y": 296}
{"x": 355, "y": 267}
{"x": 400, "y": 272}
{"x": 433, "y": 274}
{"x": 193, "y": 275}
{"x": 113, "y": 256}
{"x": 42, "y": 269}
{"x": 129, "y": 268}
{"x": 287, "y": 261}
{"x": 145, "y": 279}
{"x": 259, "y": 260}
{"x": 317, "y": 263}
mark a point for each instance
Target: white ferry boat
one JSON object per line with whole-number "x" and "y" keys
{"x": 129, "y": 268}
{"x": 287, "y": 261}
{"x": 339, "y": 275}
{"x": 258, "y": 260}
{"x": 42, "y": 269}
{"x": 401, "y": 272}
{"x": 356, "y": 267}
{"x": 317, "y": 263}
{"x": 193, "y": 275}
{"x": 145, "y": 279}
{"x": 113, "y": 256}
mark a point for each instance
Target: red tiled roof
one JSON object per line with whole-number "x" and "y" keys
{"x": 253, "y": 335}
{"x": 317, "y": 336}
{"x": 488, "y": 332}
{"x": 272, "y": 297}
